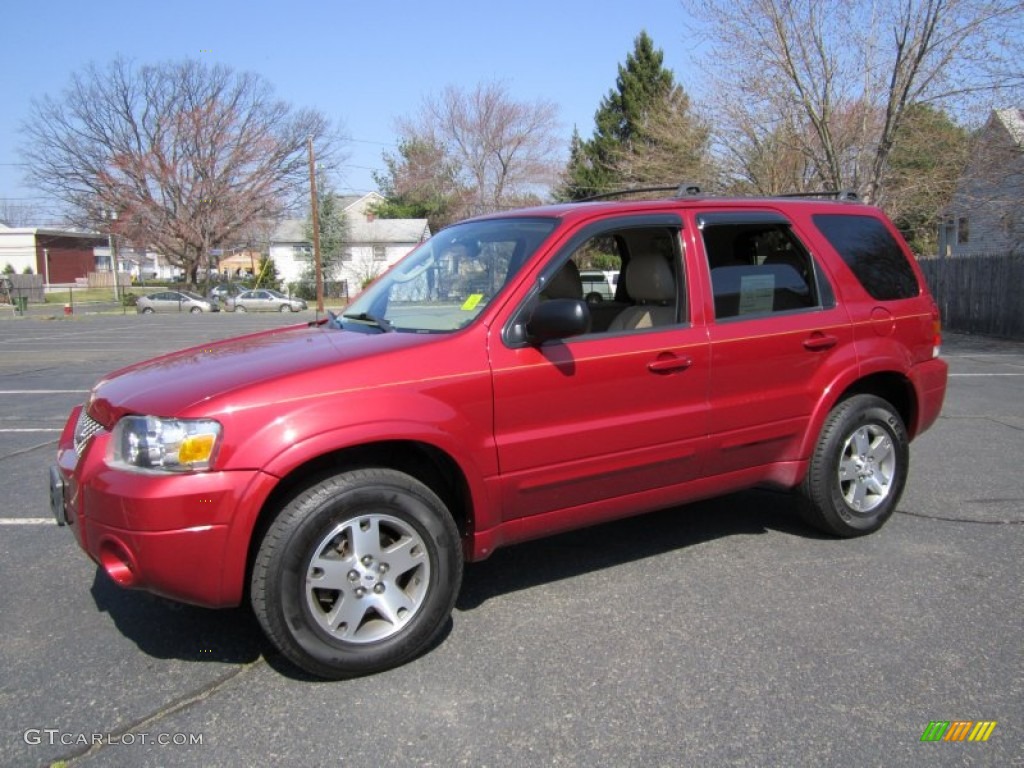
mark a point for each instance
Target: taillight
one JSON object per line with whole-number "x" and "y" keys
{"x": 936, "y": 332}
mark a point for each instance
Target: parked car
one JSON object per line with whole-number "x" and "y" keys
{"x": 263, "y": 300}
{"x": 471, "y": 399}
{"x": 174, "y": 301}
{"x": 599, "y": 285}
{"x": 223, "y": 291}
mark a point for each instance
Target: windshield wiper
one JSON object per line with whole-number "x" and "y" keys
{"x": 366, "y": 317}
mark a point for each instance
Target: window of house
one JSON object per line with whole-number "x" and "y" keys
{"x": 346, "y": 254}
{"x": 963, "y": 230}
{"x": 380, "y": 253}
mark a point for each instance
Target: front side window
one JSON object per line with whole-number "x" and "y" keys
{"x": 759, "y": 267}
{"x": 628, "y": 270}
{"x": 446, "y": 282}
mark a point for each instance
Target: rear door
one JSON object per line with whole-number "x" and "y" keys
{"x": 593, "y": 422}
{"x": 778, "y": 338}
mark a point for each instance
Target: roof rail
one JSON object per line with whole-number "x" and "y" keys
{"x": 617, "y": 192}
{"x": 848, "y": 195}
{"x": 691, "y": 189}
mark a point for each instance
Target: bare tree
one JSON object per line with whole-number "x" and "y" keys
{"x": 831, "y": 81}
{"x": 186, "y": 156}
{"x": 14, "y": 214}
{"x": 487, "y": 150}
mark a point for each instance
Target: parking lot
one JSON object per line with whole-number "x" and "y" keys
{"x": 722, "y": 633}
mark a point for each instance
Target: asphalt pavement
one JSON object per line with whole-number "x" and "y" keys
{"x": 724, "y": 633}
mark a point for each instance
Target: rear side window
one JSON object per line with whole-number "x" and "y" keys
{"x": 871, "y": 253}
{"x": 759, "y": 266}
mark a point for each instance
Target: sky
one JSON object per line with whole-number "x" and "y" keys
{"x": 362, "y": 64}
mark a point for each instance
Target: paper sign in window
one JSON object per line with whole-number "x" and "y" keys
{"x": 756, "y": 293}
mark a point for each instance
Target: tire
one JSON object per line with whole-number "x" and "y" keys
{"x": 147, "y": 311}
{"x": 358, "y": 573}
{"x": 239, "y": 309}
{"x": 284, "y": 308}
{"x": 858, "y": 469}
{"x": 195, "y": 311}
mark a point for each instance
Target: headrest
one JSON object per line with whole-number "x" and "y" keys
{"x": 565, "y": 283}
{"x": 649, "y": 278}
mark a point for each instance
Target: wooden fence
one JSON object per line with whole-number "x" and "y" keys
{"x": 979, "y": 294}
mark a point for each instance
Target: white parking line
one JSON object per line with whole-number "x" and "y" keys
{"x": 27, "y": 521}
{"x": 43, "y": 391}
{"x": 32, "y": 429}
{"x": 985, "y": 374}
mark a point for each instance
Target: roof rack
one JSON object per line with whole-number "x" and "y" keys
{"x": 690, "y": 189}
{"x": 848, "y": 195}
{"x": 617, "y": 192}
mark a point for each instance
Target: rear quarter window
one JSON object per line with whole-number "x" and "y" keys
{"x": 871, "y": 253}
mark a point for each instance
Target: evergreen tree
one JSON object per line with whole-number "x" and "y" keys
{"x": 929, "y": 151}
{"x": 420, "y": 183}
{"x": 645, "y": 132}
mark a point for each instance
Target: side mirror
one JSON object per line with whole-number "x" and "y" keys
{"x": 557, "y": 319}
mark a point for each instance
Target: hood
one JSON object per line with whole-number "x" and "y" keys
{"x": 172, "y": 384}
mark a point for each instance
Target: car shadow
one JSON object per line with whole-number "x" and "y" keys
{"x": 578, "y": 552}
{"x": 165, "y": 629}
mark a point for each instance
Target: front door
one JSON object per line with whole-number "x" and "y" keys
{"x": 599, "y": 421}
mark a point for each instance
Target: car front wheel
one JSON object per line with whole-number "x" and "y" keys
{"x": 239, "y": 308}
{"x": 283, "y": 308}
{"x": 858, "y": 469}
{"x": 196, "y": 310}
{"x": 358, "y": 573}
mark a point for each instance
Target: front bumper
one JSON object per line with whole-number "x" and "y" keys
{"x": 182, "y": 536}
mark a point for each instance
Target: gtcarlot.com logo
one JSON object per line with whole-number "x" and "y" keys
{"x": 958, "y": 730}
{"x": 53, "y": 736}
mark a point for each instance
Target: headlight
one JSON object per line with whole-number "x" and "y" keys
{"x": 168, "y": 445}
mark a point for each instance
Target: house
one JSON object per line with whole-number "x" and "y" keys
{"x": 59, "y": 255}
{"x": 372, "y": 244}
{"x": 986, "y": 216}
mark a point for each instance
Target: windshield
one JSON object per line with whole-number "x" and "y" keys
{"x": 446, "y": 282}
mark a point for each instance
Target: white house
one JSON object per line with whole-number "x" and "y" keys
{"x": 372, "y": 244}
{"x": 986, "y": 216}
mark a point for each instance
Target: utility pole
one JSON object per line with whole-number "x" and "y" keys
{"x": 316, "y": 231}
{"x": 112, "y": 243}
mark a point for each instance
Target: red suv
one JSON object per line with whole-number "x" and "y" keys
{"x": 337, "y": 474}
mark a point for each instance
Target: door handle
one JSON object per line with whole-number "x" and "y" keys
{"x": 820, "y": 341}
{"x": 670, "y": 364}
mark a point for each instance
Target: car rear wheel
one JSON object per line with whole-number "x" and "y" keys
{"x": 283, "y": 308}
{"x": 358, "y": 573}
{"x": 195, "y": 310}
{"x": 858, "y": 469}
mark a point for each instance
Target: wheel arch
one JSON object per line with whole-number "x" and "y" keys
{"x": 425, "y": 462}
{"x": 892, "y": 386}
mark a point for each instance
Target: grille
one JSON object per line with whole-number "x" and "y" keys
{"x": 84, "y": 430}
